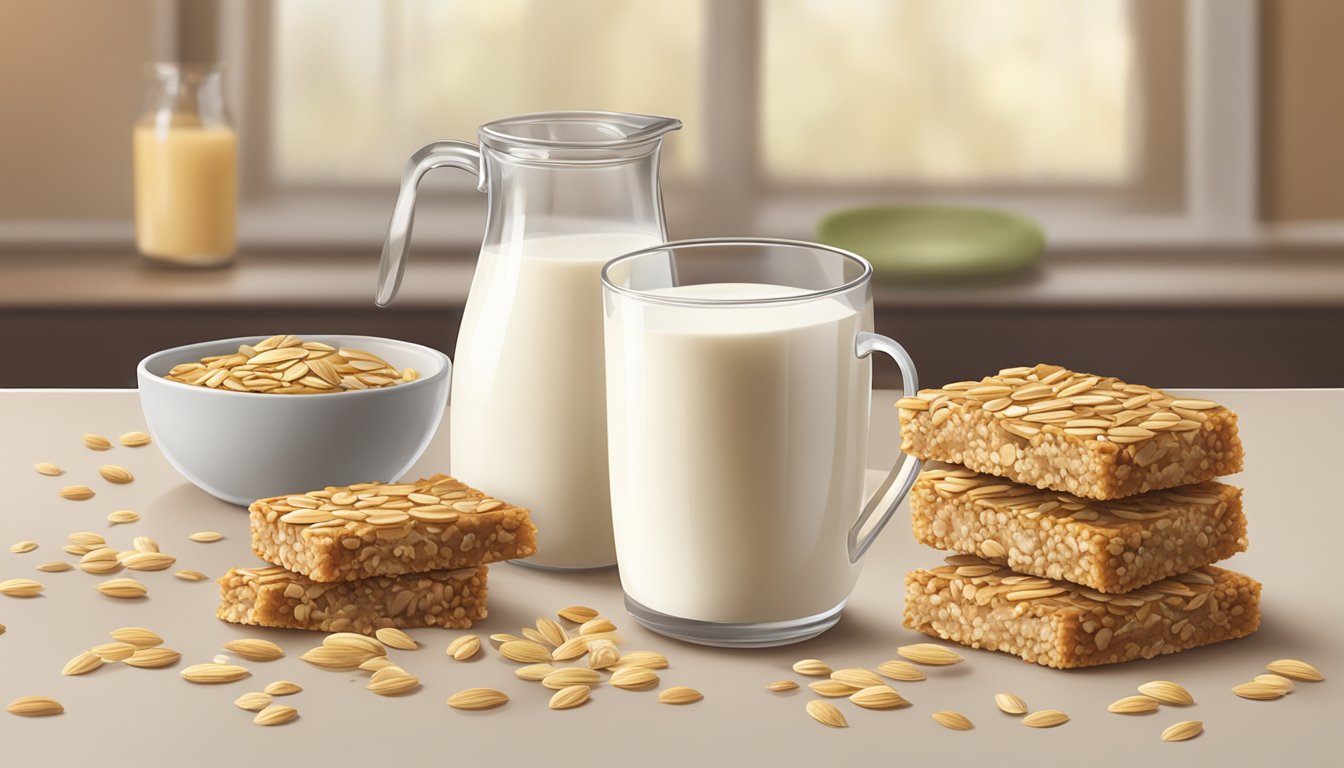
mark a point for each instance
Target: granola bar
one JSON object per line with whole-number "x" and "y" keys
{"x": 1110, "y": 546}
{"x": 976, "y": 603}
{"x": 274, "y": 597}
{"x": 378, "y": 529}
{"x": 1092, "y": 436}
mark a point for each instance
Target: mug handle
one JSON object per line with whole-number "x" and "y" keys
{"x": 865, "y": 344}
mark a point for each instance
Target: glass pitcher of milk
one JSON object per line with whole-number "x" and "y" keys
{"x": 568, "y": 191}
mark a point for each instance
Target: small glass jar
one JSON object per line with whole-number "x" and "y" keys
{"x": 186, "y": 168}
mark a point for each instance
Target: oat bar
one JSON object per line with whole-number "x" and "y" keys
{"x": 1092, "y": 436}
{"x": 1110, "y": 546}
{"x": 1056, "y": 624}
{"x": 379, "y": 529}
{"x": 274, "y": 597}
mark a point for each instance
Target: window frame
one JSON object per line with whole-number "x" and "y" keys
{"x": 1215, "y": 199}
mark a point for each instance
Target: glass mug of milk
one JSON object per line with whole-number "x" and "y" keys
{"x": 738, "y": 395}
{"x": 186, "y": 168}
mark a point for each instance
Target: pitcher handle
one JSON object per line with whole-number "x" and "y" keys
{"x": 456, "y": 154}
{"x": 864, "y": 345}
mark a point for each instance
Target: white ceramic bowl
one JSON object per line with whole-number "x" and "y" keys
{"x": 242, "y": 446}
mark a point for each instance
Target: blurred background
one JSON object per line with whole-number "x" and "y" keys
{"x": 1183, "y": 158}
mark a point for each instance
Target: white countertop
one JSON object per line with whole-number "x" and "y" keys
{"x": 124, "y": 716}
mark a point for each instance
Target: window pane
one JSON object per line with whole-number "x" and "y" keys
{"x": 359, "y": 85}
{"x": 954, "y": 91}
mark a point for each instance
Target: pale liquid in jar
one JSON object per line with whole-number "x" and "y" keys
{"x": 528, "y": 419}
{"x": 737, "y": 469}
{"x": 186, "y": 192}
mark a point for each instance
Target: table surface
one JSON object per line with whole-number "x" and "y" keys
{"x": 125, "y": 716}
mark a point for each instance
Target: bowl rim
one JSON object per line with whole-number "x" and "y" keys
{"x": 142, "y": 368}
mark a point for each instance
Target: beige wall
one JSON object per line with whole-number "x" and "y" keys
{"x": 1302, "y": 110}
{"x": 70, "y": 88}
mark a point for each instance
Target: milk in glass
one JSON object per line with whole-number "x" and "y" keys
{"x": 750, "y": 526}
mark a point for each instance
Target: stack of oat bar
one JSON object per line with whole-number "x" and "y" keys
{"x": 362, "y": 557}
{"x": 1086, "y": 514}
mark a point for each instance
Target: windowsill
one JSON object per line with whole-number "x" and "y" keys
{"x": 48, "y": 278}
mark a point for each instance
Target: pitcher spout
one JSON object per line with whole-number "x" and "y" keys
{"x": 559, "y": 135}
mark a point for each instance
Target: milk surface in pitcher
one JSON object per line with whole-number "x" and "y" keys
{"x": 528, "y": 412}
{"x": 786, "y": 400}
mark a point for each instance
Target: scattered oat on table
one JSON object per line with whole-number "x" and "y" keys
{"x": 20, "y": 588}
{"x": 84, "y": 663}
{"x": 282, "y": 688}
{"x": 211, "y": 673}
{"x": 137, "y": 636}
{"x": 1134, "y": 705}
{"x": 931, "y": 654}
{"x": 206, "y": 537}
{"x": 255, "y": 649}
{"x": 780, "y": 686}
{"x": 647, "y": 659}
{"x": 1010, "y": 704}
{"x": 35, "y": 706}
{"x": 21, "y": 547}
{"x": 395, "y": 638}
{"x": 478, "y": 698}
{"x": 134, "y": 439}
{"x": 881, "y": 696}
{"x": 113, "y": 473}
{"x": 153, "y": 658}
{"x": 680, "y": 694}
{"x": 903, "y": 671}
{"x": 48, "y": 469}
{"x": 1188, "y": 729}
{"x": 392, "y": 680}
{"x": 464, "y": 647}
{"x": 953, "y": 720}
{"x": 564, "y": 677}
{"x": 833, "y": 689}
{"x": 826, "y": 713}
{"x": 812, "y": 667}
{"x": 253, "y": 701}
{"x": 634, "y": 678}
{"x": 125, "y": 589}
{"x": 1045, "y": 718}
{"x": 570, "y": 697}
{"x": 122, "y": 516}
{"x": 190, "y": 575}
{"x": 577, "y": 613}
{"x": 1167, "y": 692}
{"x": 275, "y": 714}
{"x": 96, "y": 442}
{"x": 1259, "y": 691}
{"x": 77, "y": 492}
{"x": 1296, "y": 669}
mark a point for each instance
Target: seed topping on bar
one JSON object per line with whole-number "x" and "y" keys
{"x": 1089, "y": 435}
{"x": 440, "y": 499}
{"x": 343, "y": 533}
{"x": 1107, "y": 409}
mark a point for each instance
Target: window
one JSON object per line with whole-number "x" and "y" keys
{"x": 948, "y": 92}
{"x": 1074, "y": 111}
{"x": 358, "y": 86}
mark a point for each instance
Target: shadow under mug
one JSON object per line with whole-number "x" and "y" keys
{"x": 738, "y": 393}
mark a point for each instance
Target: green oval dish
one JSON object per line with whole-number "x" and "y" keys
{"x": 918, "y": 241}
